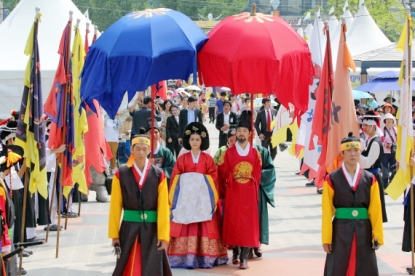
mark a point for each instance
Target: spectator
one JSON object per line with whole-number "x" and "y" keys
{"x": 141, "y": 116}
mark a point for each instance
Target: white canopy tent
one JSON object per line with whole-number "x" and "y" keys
{"x": 364, "y": 35}
{"x": 333, "y": 22}
{"x": 14, "y": 31}
{"x": 308, "y": 31}
{"x": 335, "y": 35}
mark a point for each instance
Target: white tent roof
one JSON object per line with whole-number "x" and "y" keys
{"x": 333, "y": 22}
{"x": 365, "y": 35}
{"x": 14, "y": 31}
{"x": 308, "y": 31}
{"x": 300, "y": 31}
{"x": 335, "y": 35}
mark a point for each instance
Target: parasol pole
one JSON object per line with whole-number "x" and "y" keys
{"x": 26, "y": 176}
{"x": 67, "y": 90}
{"x": 152, "y": 123}
{"x": 252, "y": 115}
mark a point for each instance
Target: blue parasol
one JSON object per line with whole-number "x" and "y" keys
{"x": 385, "y": 81}
{"x": 137, "y": 51}
{"x": 361, "y": 95}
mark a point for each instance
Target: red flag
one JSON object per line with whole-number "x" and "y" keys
{"x": 160, "y": 89}
{"x": 322, "y": 113}
{"x": 86, "y": 45}
{"x": 95, "y": 143}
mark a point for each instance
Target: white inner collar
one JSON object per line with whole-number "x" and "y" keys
{"x": 241, "y": 151}
{"x": 195, "y": 158}
{"x": 141, "y": 173}
{"x": 352, "y": 182}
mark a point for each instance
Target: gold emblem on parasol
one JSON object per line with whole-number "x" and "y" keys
{"x": 249, "y": 17}
{"x": 149, "y": 13}
{"x": 243, "y": 172}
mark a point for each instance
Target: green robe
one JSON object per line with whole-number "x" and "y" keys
{"x": 164, "y": 160}
{"x": 220, "y": 151}
{"x": 266, "y": 192}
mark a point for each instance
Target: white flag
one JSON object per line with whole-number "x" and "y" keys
{"x": 346, "y": 6}
{"x": 307, "y": 16}
{"x": 331, "y": 10}
{"x": 86, "y": 14}
{"x": 361, "y": 2}
{"x": 318, "y": 14}
{"x": 299, "y": 22}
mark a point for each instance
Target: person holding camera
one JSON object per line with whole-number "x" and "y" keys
{"x": 389, "y": 147}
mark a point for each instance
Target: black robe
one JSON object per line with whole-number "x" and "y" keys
{"x": 156, "y": 263}
{"x": 344, "y": 229}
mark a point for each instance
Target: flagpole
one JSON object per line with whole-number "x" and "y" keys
{"x": 67, "y": 89}
{"x": 55, "y": 177}
{"x": 411, "y": 172}
{"x": 26, "y": 174}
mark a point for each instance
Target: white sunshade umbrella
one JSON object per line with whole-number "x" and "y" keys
{"x": 223, "y": 88}
{"x": 193, "y": 88}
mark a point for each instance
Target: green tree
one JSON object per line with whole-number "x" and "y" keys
{"x": 388, "y": 14}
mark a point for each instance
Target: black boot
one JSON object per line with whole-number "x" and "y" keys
{"x": 235, "y": 255}
{"x": 243, "y": 257}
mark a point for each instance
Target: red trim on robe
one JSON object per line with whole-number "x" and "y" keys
{"x": 138, "y": 177}
{"x": 374, "y": 180}
{"x": 328, "y": 180}
{"x": 133, "y": 266}
{"x": 351, "y": 270}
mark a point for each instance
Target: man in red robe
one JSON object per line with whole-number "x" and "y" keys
{"x": 239, "y": 176}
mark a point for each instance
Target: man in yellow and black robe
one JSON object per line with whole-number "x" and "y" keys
{"x": 139, "y": 191}
{"x": 351, "y": 196}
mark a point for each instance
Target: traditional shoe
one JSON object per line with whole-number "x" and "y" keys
{"x": 235, "y": 255}
{"x": 235, "y": 260}
{"x": 320, "y": 191}
{"x": 258, "y": 252}
{"x": 25, "y": 254}
{"x": 283, "y": 147}
{"x": 409, "y": 270}
{"x": 70, "y": 215}
{"x": 310, "y": 184}
{"x": 28, "y": 252}
{"x": 53, "y": 227}
{"x": 34, "y": 239}
{"x": 250, "y": 254}
{"x": 24, "y": 272}
{"x": 243, "y": 264}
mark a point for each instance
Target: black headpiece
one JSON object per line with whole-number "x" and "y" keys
{"x": 196, "y": 128}
{"x": 9, "y": 155}
{"x": 245, "y": 120}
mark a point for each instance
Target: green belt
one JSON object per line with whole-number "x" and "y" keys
{"x": 351, "y": 213}
{"x": 140, "y": 216}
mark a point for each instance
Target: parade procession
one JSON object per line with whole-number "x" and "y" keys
{"x": 138, "y": 140}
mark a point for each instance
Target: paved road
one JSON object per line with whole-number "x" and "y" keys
{"x": 294, "y": 248}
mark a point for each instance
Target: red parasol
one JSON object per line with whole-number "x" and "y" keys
{"x": 258, "y": 53}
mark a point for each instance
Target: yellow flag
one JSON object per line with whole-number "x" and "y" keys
{"x": 405, "y": 129}
{"x": 80, "y": 120}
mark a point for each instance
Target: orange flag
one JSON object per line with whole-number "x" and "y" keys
{"x": 343, "y": 113}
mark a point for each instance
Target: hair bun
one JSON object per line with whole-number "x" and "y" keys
{"x": 142, "y": 131}
{"x": 350, "y": 134}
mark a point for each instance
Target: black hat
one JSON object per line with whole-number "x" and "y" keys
{"x": 148, "y": 128}
{"x": 147, "y": 100}
{"x": 9, "y": 155}
{"x": 9, "y": 131}
{"x": 245, "y": 120}
{"x": 196, "y": 128}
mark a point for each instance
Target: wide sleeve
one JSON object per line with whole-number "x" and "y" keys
{"x": 328, "y": 212}
{"x": 375, "y": 212}
{"x": 212, "y": 175}
{"x": 116, "y": 204}
{"x": 5, "y": 239}
{"x": 223, "y": 173}
{"x": 367, "y": 161}
{"x": 168, "y": 163}
{"x": 163, "y": 211}
{"x": 217, "y": 155}
{"x": 268, "y": 176}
